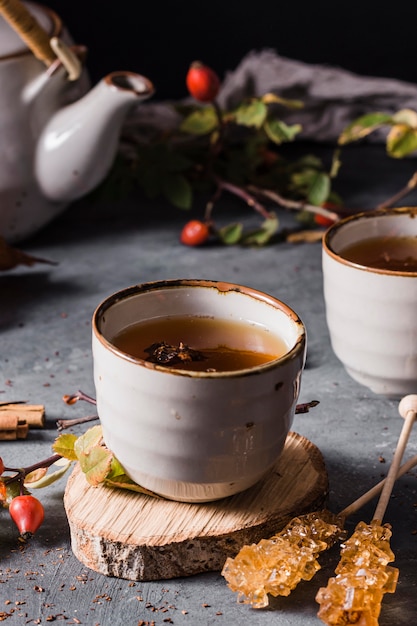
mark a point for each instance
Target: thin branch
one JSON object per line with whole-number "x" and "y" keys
{"x": 243, "y": 194}
{"x": 21, "y": 473}
{"x": 79, "y": 395}
{"x": 412, "y": 184}
{"x": 294, "y": 205}
{"x": 221, "y": 126}
{"x": 63, "y": 424}
{"x": 306, "y": 406}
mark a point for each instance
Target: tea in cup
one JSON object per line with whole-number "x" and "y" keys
{"x": 196, "y": 384}
{"x": 370, "y": 291}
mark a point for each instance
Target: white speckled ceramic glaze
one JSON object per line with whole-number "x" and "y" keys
{"x": 195, "y": 436}
{"x": 371, "y": 313}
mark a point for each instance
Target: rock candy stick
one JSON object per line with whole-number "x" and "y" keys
{"x": 363, "y": 576}
{"x": 257, "y": 570}
{"x": 276, "y": 565}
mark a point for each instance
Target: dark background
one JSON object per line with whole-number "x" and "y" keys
{"x": 161, "y": 39}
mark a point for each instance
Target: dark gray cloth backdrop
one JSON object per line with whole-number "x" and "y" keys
{"x": 332, "y": 97}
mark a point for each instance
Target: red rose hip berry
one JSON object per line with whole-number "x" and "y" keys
{"x": 202, "y": 82}
{"x": 194, "y": 233}
{"x": 27, "y": 513}
{"x": 322, "y": 220}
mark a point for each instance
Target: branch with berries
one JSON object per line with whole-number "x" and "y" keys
{"x": 239, "y": 152}
{"x": 26, "y": 511}
{"x": 214, "y": 153}
{"x": 96, "y": 461}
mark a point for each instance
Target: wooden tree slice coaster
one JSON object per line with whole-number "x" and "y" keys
{"x": 130, "y": 535}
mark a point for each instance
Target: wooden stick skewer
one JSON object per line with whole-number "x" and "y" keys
{"x": 371, "y": 493}
{"x": 408, "y": 410}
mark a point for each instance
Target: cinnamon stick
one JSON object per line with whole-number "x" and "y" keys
{"x": 34, "y": 414}
{"x": 11, "y": 427}
{"x": 17, "y": 417}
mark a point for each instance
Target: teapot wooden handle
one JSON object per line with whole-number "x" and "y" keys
{"x": 25, "y": 24}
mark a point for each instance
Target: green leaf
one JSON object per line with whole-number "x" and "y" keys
{"x": 363, "y": 126}
{"x": 161, "y": 171}
{"x": 116, "y": 469}
{"x": 12, "y": 490}
{"x": 336, "y": 164}
{"x": 96, "y": 464}
{"x": 177, "y": 190}
{"x": 230, "y": 234}
{"x": 94, "y": 458}
{"x": 200, "y": 122}
{"x": 279, "y": 132}
{"x": 124, "y": 482}
{"x": 64, "y": 445}
{"x": 319, "y": 189}
{"x": 307, "y": 161}
{"x": 51, "y": 477}
{"x": 335, "y": 198}
{"x": 313, "y": 184}
{"x": 155, "y": 163}
{"x": 405, "y": 116}
{"x": 401, "y": 141}
{"x": 89, "y": 440}
{"x": 251, "y": 114}
{"x": 305, "y": 217}
{"x": 272, "y": 98}
{"x": 264, "y": 234}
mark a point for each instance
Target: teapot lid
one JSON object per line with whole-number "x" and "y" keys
{"x": 10, "y": 41}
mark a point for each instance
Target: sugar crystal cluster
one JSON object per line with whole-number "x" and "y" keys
{"x": 275, "y": 566}
{"x": 362, "y": 578}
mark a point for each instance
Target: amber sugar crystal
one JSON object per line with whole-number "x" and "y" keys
{"x": 275, "y": 566}
{"x": 362, "y": 578}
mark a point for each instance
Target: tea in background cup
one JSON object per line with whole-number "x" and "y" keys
{"x": 196, "y": 384}
{"x": 370, "y": 291}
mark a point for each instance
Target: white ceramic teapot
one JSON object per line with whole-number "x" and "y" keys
{"x": 58, "y": 137}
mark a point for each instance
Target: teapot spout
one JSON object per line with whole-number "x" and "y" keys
{"x": 78, "y": 145}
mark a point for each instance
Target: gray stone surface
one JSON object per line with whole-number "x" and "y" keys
{"x": 45, "y": 352}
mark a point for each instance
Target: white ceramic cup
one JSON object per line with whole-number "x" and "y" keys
{"x": 372, "y": 313}
{"x": 196, "y": 436}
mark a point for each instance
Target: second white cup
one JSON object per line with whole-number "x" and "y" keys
{"x": 370, "y": 290}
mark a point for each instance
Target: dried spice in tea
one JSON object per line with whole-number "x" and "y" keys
{"x": 166, "y": 354}
{"x": 200, "y": 343}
